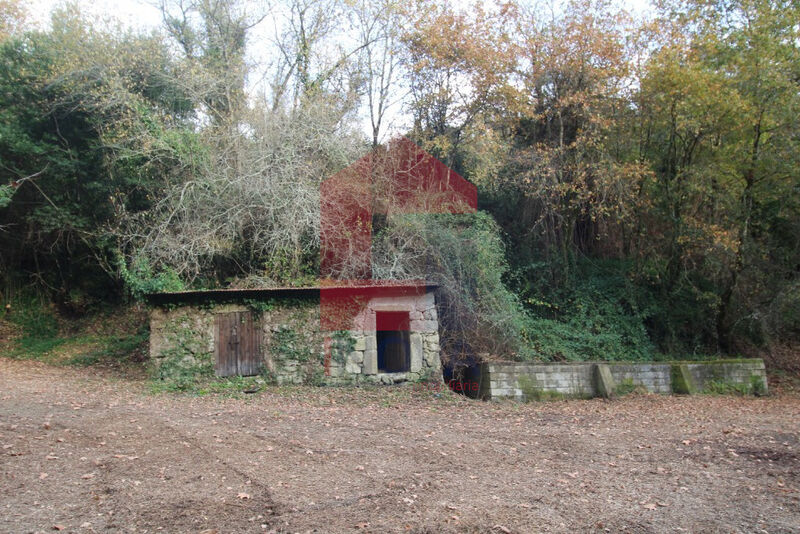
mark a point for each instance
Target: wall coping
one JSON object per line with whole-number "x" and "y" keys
{"x": 630, "y": 362}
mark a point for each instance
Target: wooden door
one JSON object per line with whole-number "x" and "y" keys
{"x": 237, "y": 346}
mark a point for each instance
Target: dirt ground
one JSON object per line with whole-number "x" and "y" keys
{"x": 85, "y": 451}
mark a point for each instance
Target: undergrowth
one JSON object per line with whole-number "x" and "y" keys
{"x": 205, "y": 383}
{"x": 626, "y": 386}
{"x": 724, "y": 387}
{"x": 39, "y": 326}
{"x": 116, "y": 349}
{"x": 98, "y": 338}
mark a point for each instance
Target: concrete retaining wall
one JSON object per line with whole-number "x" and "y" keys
{"x": 525, "y": 381}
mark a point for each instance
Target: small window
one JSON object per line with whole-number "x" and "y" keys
{"x": 394, "y": 353}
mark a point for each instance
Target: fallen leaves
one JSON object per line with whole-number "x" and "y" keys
{"x": 625, "y": 451}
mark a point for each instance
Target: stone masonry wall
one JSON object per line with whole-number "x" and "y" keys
{"x": 523, "y": 380}
{"x": 361, "y": 363}
{"x": 737, "y": 372}
{"x": 292, "y": 345}
{"x": 290, "y": 338}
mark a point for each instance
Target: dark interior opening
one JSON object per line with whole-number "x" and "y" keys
{"x": 463, "y": 376}
{"x": 394, "y": 351}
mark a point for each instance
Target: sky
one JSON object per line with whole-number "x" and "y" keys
{"x": 145, "y": 15}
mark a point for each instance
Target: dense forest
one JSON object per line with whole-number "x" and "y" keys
{"x": 638, "y": 176}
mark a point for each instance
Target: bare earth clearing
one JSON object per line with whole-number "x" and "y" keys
{"x": 85, "y": 452}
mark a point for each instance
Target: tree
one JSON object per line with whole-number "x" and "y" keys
{"x": 13, "y": 17}
{"x": 458, "y": 66}
{"x": 255, "y": 222}
{"x": 574, "y": 80}
{"x": 316, "y": 55}
{"x": 379, "y": 26}
{"x": 212, "y": 35}
{"x": 72, "y": 100}
{"x": 718, "y": 98}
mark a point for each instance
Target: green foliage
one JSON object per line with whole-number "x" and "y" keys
{"x": 288, "y": 344}
{"x": 723, "y": 387}
{"x": 464, "y": 256}
{"x": 259, "y": 307}
{"x": 342, "y": 344}
{"x": 180, "y": 370}
{"x": 292, "y": 268}
{"x": 118, "y": 349}
{"x": 140, "y": 280}
{"x": 649, "y": 207}
{"x": 40, "y": 329}
{"x": 73, "y": 101}
{"x": 51, "y": 338}
{"x": 6, "y": 192}
{"x": 186, "y": 363}
{"x": 625, "y": 387}
{"x": 599, "y": 316}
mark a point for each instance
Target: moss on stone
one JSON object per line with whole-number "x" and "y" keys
{"x": 626, "y": 386}
{"x": 682, "y": 382}
{"x": 604, "y": 382}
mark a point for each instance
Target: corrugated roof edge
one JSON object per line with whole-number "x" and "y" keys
{"x": 272, "y": 292}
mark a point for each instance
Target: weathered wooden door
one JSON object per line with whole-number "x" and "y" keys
{"x": 237, "y": 347}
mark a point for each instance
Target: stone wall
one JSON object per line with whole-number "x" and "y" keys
{"x": 360, "y": 363}
{"x": 654, "y": 377}
{"x": 589, "y": 379}
{"x": 727, "y": 371}
{"x": 510, "y": 379}
{"x": 292, "y": 344}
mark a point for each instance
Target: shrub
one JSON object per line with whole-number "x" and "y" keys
{"x": 601, "y": 315}
{"x": 464, "y": 255}
{"x": 140, "y": 279}
{"x": 723, "y": 387}
{"x": 40, "y": 329}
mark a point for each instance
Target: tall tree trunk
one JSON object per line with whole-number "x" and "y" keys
{"x": 723, "y": 314}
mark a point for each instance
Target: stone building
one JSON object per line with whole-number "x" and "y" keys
{"x": 353, "y": 327}
{"x": 384, "y": 335}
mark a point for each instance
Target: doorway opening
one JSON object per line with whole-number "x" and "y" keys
{"x": 394, "y": 347}
{"x": 462, "y": 374}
